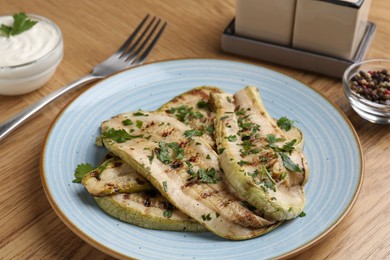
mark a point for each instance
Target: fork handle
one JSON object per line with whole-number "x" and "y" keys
{"x": 11, "y": 124}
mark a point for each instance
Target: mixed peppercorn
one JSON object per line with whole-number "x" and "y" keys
{"x": 372, "y": 85}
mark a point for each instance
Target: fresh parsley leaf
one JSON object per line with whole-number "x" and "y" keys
{"x": 167, "y": 153}
{"x": 202, "y": 104}
{"x": 253, "y": 174}
{"x": 303, "y": 214}
{"x": 139, "y": 113}
{"x": 185, "y": 113}
{"x": 240, "y": 112}
{"x": 139, "y": 124}
{"x": 151, "y": 157}
{"x": 232, "y": 138}
{"x": 269, "y": 185}
{"x": 221, "y": 150}
{"x": 193, "y": 132}
{"x": 289, "y": 146}
{"x": 127, "y": 122}
{"x": 285, "y": 123}
{"x": 206, "y": 217}
{"x": 202, "y": 175}
{"x": 21, "y": 24}
{"x": 271, "y": 138}
{"x": 289, "y": 164}
{"x": 167, "y": 213}
{"x": 210, "y": 129}
{"x": 242, "y": 163}
{"x": 119, "y": 136}
{"x": 81, "y": 170}
{"x": 165, "y": 185}
{"x": 208, "y": 176}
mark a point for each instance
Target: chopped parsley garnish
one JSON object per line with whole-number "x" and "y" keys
{"x": 268, "y": 185}
{"x": 240, "y": 112}
{"x": 168, "y": 153}
{"x": 302, "y": 214}
{"x": 208, "y": 176}
{"x": 223, "y": 117}
{"x": 271, "y": 138}
{"x": 21, "y": 24}
{"x": 139, "y": 124}
{"x": 81, "y": 170}
{"x": 289, "y": 146}
{"x": 127, "y": 122}
{"x": 151, "y": 157}
{"x": 208, "y": 157}
{"x": 167, "y": 213}
{"x": 253, "y": 174}
{"x": 193, "y": 132}
{"x": 285, "y": 123}
{"x": 221, "y": 150}
{"x": 255, "y": 128}
{"x": 210, "y": 129}
{"x": 206, "y": 217}
{"x": 205, "y": 176}
{"x": 165, "y": 185}
{"x": 202, "y": 104}
{"x": 289, "y": 164}
{"x": 139, "y": 113}
{"x": 242, "y": 163}
{"x": 185, "y": 113}
{"x": 119, "y": 136}
{"x": 232, "y": 138}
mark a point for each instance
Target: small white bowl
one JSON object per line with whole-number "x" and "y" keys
{"x": 27, "y": 77}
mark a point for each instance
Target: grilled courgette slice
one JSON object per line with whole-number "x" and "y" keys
{"x": 184, "y": 169}
{"x": 149, "y": 210}
{"x": 193, "y": 109}
{"x": 114, "y": 176}
{"x": 259, "y": 161}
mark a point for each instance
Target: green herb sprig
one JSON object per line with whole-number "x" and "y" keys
{"x": 21, "y": 24}
{"x": 81, "y": 170}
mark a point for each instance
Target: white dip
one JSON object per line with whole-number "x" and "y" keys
{"x": 29, "y": 45}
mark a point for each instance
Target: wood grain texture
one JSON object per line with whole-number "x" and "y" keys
{"x": 29, "y": 228}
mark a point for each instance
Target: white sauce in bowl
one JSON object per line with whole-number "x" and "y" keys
{"x": 28, "y": 46}
{"x": 29, "y": 59}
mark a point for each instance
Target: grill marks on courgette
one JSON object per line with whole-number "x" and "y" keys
{"x": 259, "y": 161}
{"x": 193, "y": 109}
{"x": 185, "y": 169}
{"x": 114, "y": 176}
{"x": 149, "y": 210}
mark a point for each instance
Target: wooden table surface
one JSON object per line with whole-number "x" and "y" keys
{"x": 92, "y": 30}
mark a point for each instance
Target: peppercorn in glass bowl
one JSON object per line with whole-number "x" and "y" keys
{"x": 367, "y": 86}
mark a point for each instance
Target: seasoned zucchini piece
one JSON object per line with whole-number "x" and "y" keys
{"x": 114, "y": 176}
{"x": 149, "y": 210}
{"x": 184, "y": 168}
{"x": 192, "y": 108}
{"x": 259, "y": 161}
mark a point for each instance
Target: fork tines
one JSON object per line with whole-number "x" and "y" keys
{"x": 144, "y": 40}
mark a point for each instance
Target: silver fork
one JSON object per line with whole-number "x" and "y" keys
{"x": 133, "y": 52}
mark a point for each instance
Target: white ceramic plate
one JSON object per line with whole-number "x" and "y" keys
{"x": 331, "y": 146}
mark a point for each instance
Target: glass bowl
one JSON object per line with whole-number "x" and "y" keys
{"x": 368, "y": 73}
{"x": 26, "y": 77}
